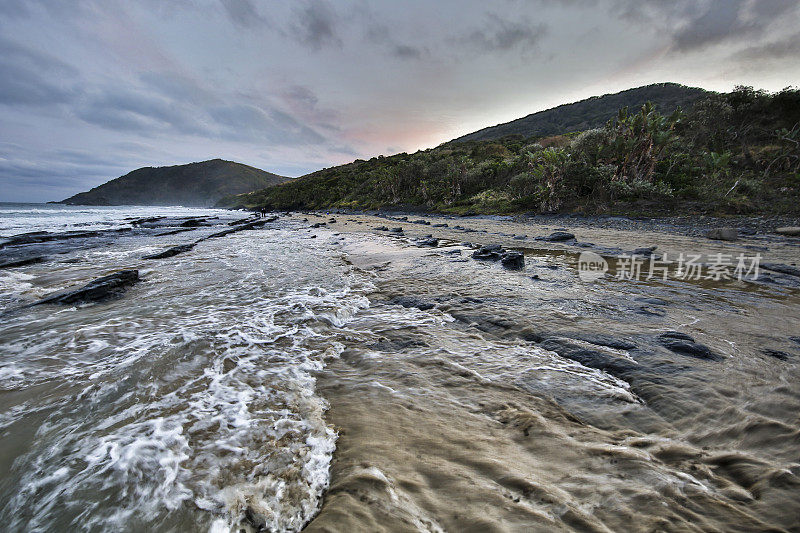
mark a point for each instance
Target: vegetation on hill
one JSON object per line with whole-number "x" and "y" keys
{"x": 593, "y": 112}
{"x": 195, "y": 185}
{"x": 737, "y": 152}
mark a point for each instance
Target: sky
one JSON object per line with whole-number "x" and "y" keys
{"x": 92, "y": 89}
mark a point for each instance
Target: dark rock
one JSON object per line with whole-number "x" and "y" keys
{"x": 38, "y": 237}
{"x": 174, "y": 232}
{"x": 783, "y": 269}
{"x": 614, "y": 365}
{"x": 723, "y": 234}
{"x": 430, "y": 241}
{"x": 777, "y": 354}
{"x": 149, "y": 220}
{"x": 381, "y": 228}
{"x": 192, "y": 223}
{"x": 795, "y": 339}
{"x": 558, "y": 236}
{"x": 318, "y": 225}
{"x": 171, "y": 252}
{"x": 439, "y": 226}
{"x": 684, "y": 344}
{"x": 520, "y": 237}
{"x": 22, "y": 262}
{"x": 423, "y": 222}
{"x": 100, "y": 289}
{"x": 410, "y": 301}
{"x": 492, "y": 252}
{"x": 396, "y": 230}
{"x": 221, "y": 233}
{"x": 645, "y": 252}
{"x": 513, "y": 260}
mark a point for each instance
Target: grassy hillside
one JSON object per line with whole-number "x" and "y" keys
{"x": 196, "y": 184}
{"x": 593, "y": 112}
{"x": 732, "y": 153}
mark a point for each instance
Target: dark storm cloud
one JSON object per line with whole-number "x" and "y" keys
{"x": 787, "y": 47}
{"x": 253, "y": 123}
{"x": 31, "y": 77}
{"x": 126, "y": 110}
{"x": 501, "y": 34}
{"x": 691, "y": 25}
{"x": 405, "y": 51}
{"x": 381, "y": 35}
{"x": 54, "y": 174}
{"x": 315, "y": 25}
{"x": 243, "y": 13}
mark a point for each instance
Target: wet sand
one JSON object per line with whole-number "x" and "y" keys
{"x": 494, "y": 408}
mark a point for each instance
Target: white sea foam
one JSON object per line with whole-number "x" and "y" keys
{"x": 189, "y": 404}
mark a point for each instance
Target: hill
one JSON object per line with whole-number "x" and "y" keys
{"x": 200, "y": 184}
{"x": 735, "y": 152}
{"x": 593, "y": 112}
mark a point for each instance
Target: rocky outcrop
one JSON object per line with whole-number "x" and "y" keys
{"x": 171, "y": 252}
{"x": 510, "y": 259}
{"x": 109, "y": 286}
{"x": 22, "y": 262}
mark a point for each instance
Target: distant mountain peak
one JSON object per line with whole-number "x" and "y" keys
{"x": 198, "y": 184}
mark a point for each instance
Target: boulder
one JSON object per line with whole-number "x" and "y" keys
{"x": 381, "y": 228}
{"x": 513, "y": 260}
{"x": 648, "y": 251}
{"x": 723, "y": 234}
{"x": 429, "y": 241}
{"x": 396, "y": 230}
{"x": 97, "y": 290}
{"x": 558, "y": 236}
{"x": 192, "y": 223}
{"x": 491, "y": 252}
{"x": 789, "y": 231}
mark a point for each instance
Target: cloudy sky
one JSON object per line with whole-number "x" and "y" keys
{"x": 91, "y": 89}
